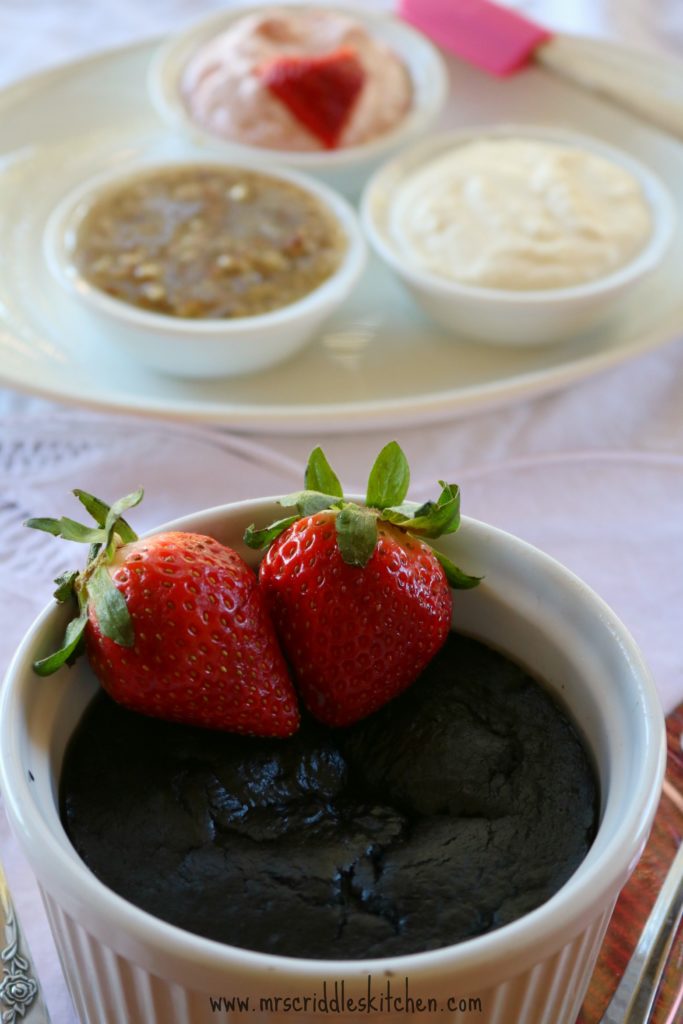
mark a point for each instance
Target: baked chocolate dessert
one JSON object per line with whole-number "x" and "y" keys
{"x": 461, "y": 805}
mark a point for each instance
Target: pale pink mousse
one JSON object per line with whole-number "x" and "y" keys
{"x": 223, "y": 91}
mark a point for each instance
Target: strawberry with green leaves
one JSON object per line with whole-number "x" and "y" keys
{"x": 360, "y": 600}
{"x": 174, "y": 626}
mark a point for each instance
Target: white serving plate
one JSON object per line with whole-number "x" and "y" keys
{"x": 378, "y": 363}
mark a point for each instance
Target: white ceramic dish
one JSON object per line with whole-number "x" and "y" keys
{"x": 125, "y": 967}
{"x": 500, "y": 316}
{"x": 346, "y": 168}
{"x": 378, "y": 361}
{"x": 200, "y": 348}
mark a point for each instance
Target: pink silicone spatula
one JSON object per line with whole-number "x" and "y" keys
{"x": 491, "y": 37}
{"x": 502, "y": 42}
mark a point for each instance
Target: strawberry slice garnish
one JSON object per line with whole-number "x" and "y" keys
{"x": 320, "y": 92}
{"x": 174, "y": 626}
{"x": 360, "y": 600}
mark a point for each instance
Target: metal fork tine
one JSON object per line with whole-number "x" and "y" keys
{"x": 633, "y": 1000}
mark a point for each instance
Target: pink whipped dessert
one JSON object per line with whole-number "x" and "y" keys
{"x": 277, "y": 78}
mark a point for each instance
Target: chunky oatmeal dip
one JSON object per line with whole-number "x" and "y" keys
{"x": 208, "y": 242}
{"x": 296, "y": 79}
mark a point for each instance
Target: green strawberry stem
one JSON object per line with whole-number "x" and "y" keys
{"x": 93, "y": 586}
{"x": 356, "y": 525}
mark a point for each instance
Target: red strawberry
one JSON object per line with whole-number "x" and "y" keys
{"x": 174, "y": 626}
{"x": 360, "y": 602}
{"x": 320, "y": 92}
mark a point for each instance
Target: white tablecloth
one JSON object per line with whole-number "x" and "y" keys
{"x": 594, "y": 475}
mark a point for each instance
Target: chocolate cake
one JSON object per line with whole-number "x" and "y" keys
{"x": 461, "y": 805}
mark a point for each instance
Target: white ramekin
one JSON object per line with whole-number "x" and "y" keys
{"x": 346, "y": 169}
{"x": 199, "y": 348}
{"x": 124, "y": 966}
{"x": 500, "y": 316}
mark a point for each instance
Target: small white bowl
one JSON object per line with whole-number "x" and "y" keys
{"x": 194, "y": 347}
{"x": 507, "y": 317}
{"x": 346, "y": 168}
{"x": 124, "y": 966}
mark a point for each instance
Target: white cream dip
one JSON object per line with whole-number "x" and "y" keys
{"x": 520, "y": 214}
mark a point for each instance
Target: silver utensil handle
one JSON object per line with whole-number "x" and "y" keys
{"x": 632, "y": 1002}
{"x": 20, "y": 998}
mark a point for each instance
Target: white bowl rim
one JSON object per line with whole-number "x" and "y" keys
{"x": 593, "y": 878}
{"x": 658, "y": 197}
{"x": 165, "y": 69}
{"x": 71, "y": 209}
